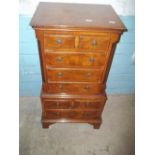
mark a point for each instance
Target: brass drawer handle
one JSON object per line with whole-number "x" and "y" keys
{"x": 94, "y": 43}
{"x": 58, "y": 41}
{"x": 58, "y": 114}
{"x": 60, "y": 87}
{"x": 59, "y": 74}
{"x": 59, "y": 59}
{"x": 71, "y": 114}
{"x": 87, "y": 104}
{"x": 87, "y": 87}
{"x": 85, "y": 114}
{"x": 57, "y": 104}
{"x": 89, "y": 74}
{"x": 72, "y": 104}
{"x": 91, "y": 60}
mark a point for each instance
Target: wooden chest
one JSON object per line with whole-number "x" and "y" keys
{"x": 76, "y": 44}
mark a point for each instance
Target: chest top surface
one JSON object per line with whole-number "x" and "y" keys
{"x": 67, "y": 15}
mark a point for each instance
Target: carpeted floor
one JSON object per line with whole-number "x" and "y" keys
{"x": 115, "y": 137}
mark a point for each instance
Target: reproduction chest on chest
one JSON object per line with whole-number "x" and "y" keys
{"x": 76, "y": 44}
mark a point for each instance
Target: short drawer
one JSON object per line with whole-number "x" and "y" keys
{"x": 53, "y": 41}
{"x": 90, "y": 104}
{"x": 70, "y": 88}
{"x": 56, "y": 104}
{"x": 74, "y": 75}
{"x": 72, "y": 114}
{"x": 75, "y": 59}
{"x": 94, "y": 42}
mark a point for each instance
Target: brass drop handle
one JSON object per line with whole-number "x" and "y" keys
{"x": 91, "y": 60}
{"x": 58, "y": 41}
{"x": 58, "y": 113}
{"x": 85, "y": 114}
{"x": 86, "y": 87}
{"x": 60, "y": 87}
{"x": 59, "y": 59}
{"x": 89, "y": 74}
{"x": 87, "y": 104}
{"x": 60, "y": 74}
{"x": 94, "y": 43}
{"x": 71, "y": 114}
{"x": 57, "y": 104}
{"x": 72, "y": 104}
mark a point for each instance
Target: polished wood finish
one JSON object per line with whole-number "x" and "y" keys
{"x": 53, "y": 41}
{"x": 76, "y": 46}
{"x": 61, "y": 15}
{"x": 61, "y": 59}
{"x": 94, "y": 42}
{"x": 85, "y": 104}
{"x": 78, "y": 88}
{"x": 74, "y": 75}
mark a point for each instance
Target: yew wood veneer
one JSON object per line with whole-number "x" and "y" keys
{"x": 76, "y": 46}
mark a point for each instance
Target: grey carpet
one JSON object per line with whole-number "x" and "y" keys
{"x": 115, "y": 137}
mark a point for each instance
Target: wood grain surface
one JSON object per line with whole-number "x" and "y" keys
{"x": 76, "y": 15}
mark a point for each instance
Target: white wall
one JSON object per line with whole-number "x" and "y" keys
{"x": 122, "y": 7}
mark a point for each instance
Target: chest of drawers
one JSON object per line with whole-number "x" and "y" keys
{"x": 76, "y": 45}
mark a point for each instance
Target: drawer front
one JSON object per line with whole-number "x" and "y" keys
{"x": 57, "y": 104}
{"x": 72, "y": 104}
{"x": 72, "y": 114}
{"x": 74, "y": 75}
{"x": 90, "y": 104}
{"x": 94, "y": 42}
{"x": 74, "y": 88}
{"x": 59, "y": 41}
{"x": 75, "y": 60}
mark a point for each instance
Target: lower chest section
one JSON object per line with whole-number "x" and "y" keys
{"x": 73, "y": 108}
